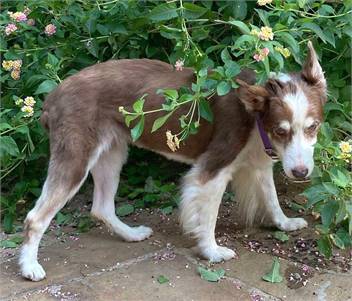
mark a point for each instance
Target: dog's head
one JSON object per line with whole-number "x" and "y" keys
{"x": 291, "y": 106}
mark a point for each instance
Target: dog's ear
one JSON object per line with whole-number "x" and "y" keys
{"x": 312, "y": 72}
{"x": 252, "y": 96}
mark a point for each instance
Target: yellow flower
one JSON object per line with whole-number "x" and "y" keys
{"x": 29, "y": 101}
{"x": 17, "y": 64}
{"x": 172, "y": 141}
{"x": 345, "y": 147}
{"x": 7, "y": 65}
{"x": 19, "y": 102}
{"x": 27, "y": 109}
{"x": 15, "y": 74}
{"x": 284, "y": 51}
{"x": 263, "y": 2}
{"x": 266, "y": 33}
{"x": 121, "y": 109}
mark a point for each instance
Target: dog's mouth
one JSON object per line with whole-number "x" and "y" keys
{"x": 295, "y": 179}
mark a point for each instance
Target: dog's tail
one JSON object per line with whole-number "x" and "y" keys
{"x": 244, "y": 185}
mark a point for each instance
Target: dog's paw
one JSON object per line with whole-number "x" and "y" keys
{"x": 292, "y": 224}
{"x": 138, "y": 233}
{"x": 32, "y": 271}
{"x": 218, "y": 254}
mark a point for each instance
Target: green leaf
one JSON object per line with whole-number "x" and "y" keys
{"x": 232, "y": 69}
{"x": 170, "y": 93}
{"x": 46, "y": 87}
{"x": 328, "y": 212}
{"x": 338, "y": 242}
{"x": 163, "y": 12}
{"x": 282, "y": 236}
{"x": 167, "y": 210}
{"x": 138, "y": 105}
{"x": 193, "y": 11}
{"x": 290, "y": 41}
{"x": 274, "y": 275}
{"x": 8, "y": 223}
{"x": 8, "y": 146}
{"x": 162, "y": 279}
{"x": 210, "y": 275}
{"x": 8, "y": 244}
{"x": 339, "y": 178}
{"x": 159, "y": 122}
{"x": 205, "y": 110}
{"x": 53, "y": 60}
{"x": 124, "y": 210}
{"x": 225, "y": 55}
{"x": 223, "y": 88}
{"x": 5, "y": 126}
{"x": 63, "y": 219}
{"x": 241, "y": 26}
{"x": 316, "y": 29}
{"x": 325, "y": 246}
{"x": 130, "y": 118}
{"x": 137, "y": 131}
{"x": 118, "y": 28}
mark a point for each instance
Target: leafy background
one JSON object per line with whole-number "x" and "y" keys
{"x": 201, "y": 34}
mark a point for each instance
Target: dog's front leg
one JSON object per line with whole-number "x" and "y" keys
{"x": 268, "y": 194}
{"x": 199, "y": 211}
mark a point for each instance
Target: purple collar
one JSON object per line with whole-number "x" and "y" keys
{"x": 265, "y": 138}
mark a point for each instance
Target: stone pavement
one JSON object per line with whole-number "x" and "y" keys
{"x": 98, "y": 266}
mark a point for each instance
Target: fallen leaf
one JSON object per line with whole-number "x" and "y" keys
{"x": 162, "y": 279}
{"x": 282, "y": 236}
{"x": 210, "y": 275}
{"x": 274, "y": 275}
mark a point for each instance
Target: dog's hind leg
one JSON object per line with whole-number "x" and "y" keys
{"x": 64, "y": 179}
{"x": 106, "y": 175}
{"x": 199, "y": 210}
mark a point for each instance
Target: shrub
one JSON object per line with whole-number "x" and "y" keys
{"x": 46, "y": 41}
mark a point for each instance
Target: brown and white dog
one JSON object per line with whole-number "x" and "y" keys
{"x": 87, "y": 134}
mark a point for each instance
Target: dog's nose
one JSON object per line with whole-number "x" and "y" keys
{"x": 300, "y": 171}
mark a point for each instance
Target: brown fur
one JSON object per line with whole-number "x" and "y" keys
{"x": 84, "y": 108}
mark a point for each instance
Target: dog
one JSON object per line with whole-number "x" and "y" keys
{"x": 88, "y": 134}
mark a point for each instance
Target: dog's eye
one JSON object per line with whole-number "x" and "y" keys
{"x": 312, "y": 127}
{"x": 280, "y": 131}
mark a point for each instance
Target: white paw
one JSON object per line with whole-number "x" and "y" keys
{"x": 138, "y": 233}
{"x": 217, "y": 253}
{"x": 292, "y": 224}
{"x": 33, "y": 271}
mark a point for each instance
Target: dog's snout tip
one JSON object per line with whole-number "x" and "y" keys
{"x": 300, "y": 172}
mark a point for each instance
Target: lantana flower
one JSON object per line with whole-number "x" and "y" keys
{"x": 284, "y": 51}
{"x": 16, "y": 74}
{"x": 346, "y": 150}
{"x": 179, "y": 65}
{"x": 264, "y": 2}
{"x": 345, "y": 147}
{"x": 28, "y": 110}
{"x": 19, "y": 102}
{"x": 18, "y": 16}
{"x": 10, "y": 28}
{"x": 29, "y": 101}
{"x": 262, "y": 54}
{"x": 50, "y": 29}
{"x": 172, "y": 141}
{"x": 7, "y": 65}
{"x": 31, "y": 22}
{"x": 266, "y": 33}
{"x": 14, "y": 67}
